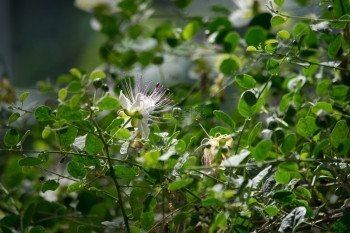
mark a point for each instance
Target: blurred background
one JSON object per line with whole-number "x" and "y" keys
{"x": 41, "y": 39}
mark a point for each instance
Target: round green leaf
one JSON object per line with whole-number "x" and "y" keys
{"x": 283, "y": 34}
{"x": 43, "y": 113}
{"x": 190, "y": 30}
{"x": 97, "y": 74}
{"x": 271, "y": 210}
{"x": 272, "y": 66}
{"x": 262, "y": 149}
{"x": 222, "y": 116}
{"x": 180, "y": 146}
{"x": 23, "y": 96}
{"x": 284, "y": 196}
{"x": 76, "y": 170}
{"x": 228, "y": 66}
{"x": 51, "y": 185}
{"x": 289, "y": 143}
{"x": 11, "y": 137}
{"x": 339, "y": 133}
{"x": 246, "y": 81}
{"x": 13, "y": 118}
{"x": 29, "y": 161}
{"x": 93, "y": 144}
{"x": 107, "y": 103}
{"x": 250, "y": 98}
{"x": 277, "y": 20}
{"x": 66, "y": 136}
{"x": 255, "y": 36}
{"x": 282, "y": 177}
{"x": 306, "y": 126}
{"x": 122, "y": 133}
{"x": 231, "y": 41}
{"x": 125, "y": 172}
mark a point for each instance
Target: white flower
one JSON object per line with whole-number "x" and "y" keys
{"x": 89, "y": 5}
{"x": 247, "y": 9}
{"x": 143, "y": 102}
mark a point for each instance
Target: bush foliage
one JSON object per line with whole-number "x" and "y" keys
{"x": 257, "y": 141}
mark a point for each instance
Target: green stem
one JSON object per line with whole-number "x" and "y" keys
{"x": 114, "y": 177}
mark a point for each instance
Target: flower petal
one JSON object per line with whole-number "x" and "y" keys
{"x": 124, "y": 101}
{"x": 144, "y": 128}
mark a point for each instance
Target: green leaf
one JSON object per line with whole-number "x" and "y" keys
{"x": 62, "y": 94}
{"x": 125, "y": 172}
{"x": 303, "y": 193}
{"x": 218, "y": 130}
{"x": 51, "y": 185}
{"x": 251, "y": 48}
{"x": 151, "y": 157}
{"x": 75, "y": 187}
{"x": 322, "y": 87}
{"x": 272, "y": 66}
{"x": 341, "y": 24}
{"x": 283, "y": 34}
{"x": 339, "y": 133}
{"x": 223, "y": 117}
{"x": 339, "y": 92}
{"x": 250, "y": 98}
{"x": 180, "y": 146}
{"x": 289, "y": 143}
{"x": 300, "y": 31}
{"x": 179, "y": 184}
{"x": 11, "y": 137}
{"x": 134, "y": 229}
{"x": 327, "y": 107}
{"x": 254, "y": 133}
{"x": 228, "y": 66}
{"x": 288, "y": 166}
{"x": 122, "y": 133}
{"x": 37, "y": 229}
{"x": 93, "y": 144}
{"x": 29, "y": 161}
{"x": 107, "y": 103}
{"x": 282, "y": 177}
{"x": 23, "y": 96}
{"x": 306, "y": 126}
{"x": 277, "y": 20}
{"x": 262, "y": 149}
{"x": 244, "y": 108}
{"x": 43, "y": 113}
{"x": 220, "y": 220}
{"x": 279, "y": 2}
{"x": 147, "y": 220}
{"x": 69, "y": 114}
{"x": 334, "y": 47}
{"x": 246, "y": 81}
{"x": 284, "y": 196}
{"x": 271, "y": 210}
{"x": 190, "y": 30}
{"x": 75, "y": 72}
{"x": 13, "y": 118}
{"x": 255, "y": 36}
{"x": 231, "y": 42}
{"x": 46, "y": 132}
{"x": 97, "y": 74}
{"x": 76, "y": 170}
{"x": 74, "y": 86}
{"x": 66, "y": 136}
